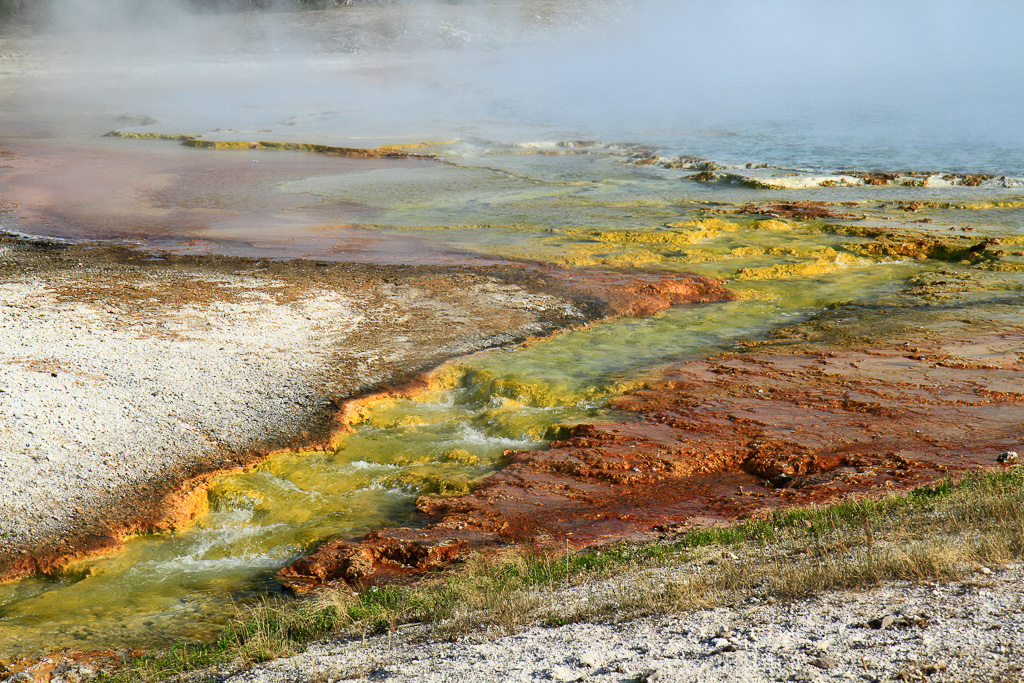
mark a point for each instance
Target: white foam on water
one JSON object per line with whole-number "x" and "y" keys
{"x": 393, "y": 492}
{"x": 188, "y": 564}
{"x": 367, "y": 465}
{"x": 468, "y": 434}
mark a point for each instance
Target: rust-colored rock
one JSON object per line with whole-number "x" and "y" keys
{"x": 736, "y": 435}
{"x": 637, "y": 293}
{"x": 802, "y": 209}
{"x": 384, "y": 555}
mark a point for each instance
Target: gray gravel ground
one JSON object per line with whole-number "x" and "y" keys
{"x": 963, "y": 631}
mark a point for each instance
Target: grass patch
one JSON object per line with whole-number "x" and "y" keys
{"x": 937, "y": 532}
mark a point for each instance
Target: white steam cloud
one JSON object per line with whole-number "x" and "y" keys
{"x": 928, "y": 80}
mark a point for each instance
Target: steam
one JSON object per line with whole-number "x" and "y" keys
{"x": 919, "y": 81}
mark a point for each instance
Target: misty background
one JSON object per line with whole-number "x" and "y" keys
{"x": 910, "y": 85}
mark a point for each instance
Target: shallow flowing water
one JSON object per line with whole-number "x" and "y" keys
{"x": 183, "y": 584}
{"x": 524, "y": 170}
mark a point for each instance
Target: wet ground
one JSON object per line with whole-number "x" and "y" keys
{"x": 158, "y": 194}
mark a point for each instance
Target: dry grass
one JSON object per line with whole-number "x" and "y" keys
{"x": 935, "y": 533}
{"x": 940, "y": 533}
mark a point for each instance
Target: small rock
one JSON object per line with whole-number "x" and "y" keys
{"x": 649, "y": 676}
{"x": 882, "y": 623}
{"x": 984, "y": 570}
{"x": 824, "y": 662}
{"x": 1007, "y": 456}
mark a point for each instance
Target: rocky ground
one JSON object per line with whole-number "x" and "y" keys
{"x": 963, "y": 631}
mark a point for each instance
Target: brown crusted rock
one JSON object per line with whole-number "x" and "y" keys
{"x": 804, "y": 209}
{"x": 335, "y": 561}
{"x": 396, "y": 548}
{"x": 774, "y": 458}
{"x": 383, "y": 555}
{"x": 628, "y": 294}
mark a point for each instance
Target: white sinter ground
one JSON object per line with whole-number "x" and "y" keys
{"x": 961, "y": 631}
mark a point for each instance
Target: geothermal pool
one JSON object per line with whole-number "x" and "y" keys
{"x": 498, "y": 147}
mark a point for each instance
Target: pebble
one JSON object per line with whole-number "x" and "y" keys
{"x": 805, "y": 674}
{"x": 882, "y": 622}
{"x": 824, "y": 662}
